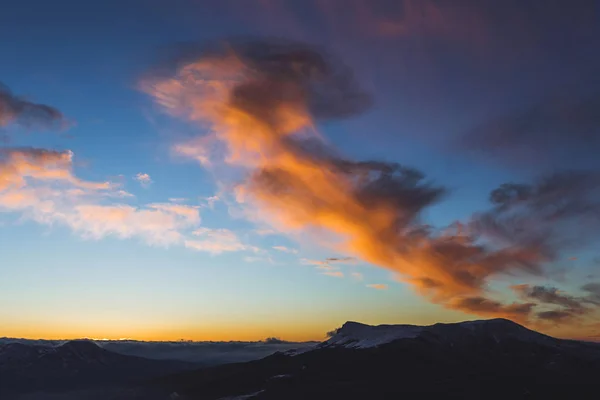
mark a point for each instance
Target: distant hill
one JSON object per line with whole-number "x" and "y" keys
{"x": 72, "y": 365}
{"x": 202, "y": 353}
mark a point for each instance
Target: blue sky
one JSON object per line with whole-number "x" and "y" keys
{"x": 431, "y": 81}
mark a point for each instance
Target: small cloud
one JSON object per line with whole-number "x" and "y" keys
{"x": 286, "y": 249}
{"x": 211, "y": 200}
{"x": 122, "y": 194}
{"x": 378, "y": 286}
{"x": 177, "y": 199}
{"x": 327, "y": 267}
{"x": 341, "y": 260}
{"x": 333, "y": 332}
{"x": 143, "y": 179}
{"x": 357, "y": 275}
{"x": 335, "y": 274}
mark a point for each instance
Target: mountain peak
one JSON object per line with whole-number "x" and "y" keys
{"x": 81, "y": 344}
{"x": 84, "y": 349}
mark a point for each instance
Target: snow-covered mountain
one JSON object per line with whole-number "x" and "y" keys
{"x": 360, "y": 336}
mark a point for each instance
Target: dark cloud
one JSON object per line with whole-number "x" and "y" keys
{"x": 274, "y": 340}
{"x": 570, "y": 307}
{"x": 340, "y": 259}
{"x": 296, "y": 72}
{"x": 551, "y": 295}
{"x": 558, "y": 212}
{"x": 14, "y": 109}
{"x": 556, "y": 316}
{"x": 557, "y": 131}
{"x": 482, "y": 305}
{"x": 593, "y": 292}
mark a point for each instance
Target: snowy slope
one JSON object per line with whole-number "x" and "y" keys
{"x": 360, "y": 336}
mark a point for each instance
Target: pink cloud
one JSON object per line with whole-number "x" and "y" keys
{"x": 143, "y": 179}
{"x": 40, "y": 185}
{"x": 378, "y": 286}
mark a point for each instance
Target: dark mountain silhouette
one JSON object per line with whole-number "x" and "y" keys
{"x": 493, "y": 359}
{"x": 75, "y": 364}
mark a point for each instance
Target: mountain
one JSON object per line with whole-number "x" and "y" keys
{"x": 74, "y": 364}
{"x": 492, "y": 359}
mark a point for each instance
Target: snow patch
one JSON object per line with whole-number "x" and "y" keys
{"x": 243, "y": 397}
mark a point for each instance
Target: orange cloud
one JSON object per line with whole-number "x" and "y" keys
{"x": 335, "y": 274}
{"x": 263, "y": 101}
{"x": 19, "y": 164}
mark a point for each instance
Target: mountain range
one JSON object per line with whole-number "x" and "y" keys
{"x": 491, "y": 359}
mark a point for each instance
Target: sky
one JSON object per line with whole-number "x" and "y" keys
{"x": 238, "y": 170}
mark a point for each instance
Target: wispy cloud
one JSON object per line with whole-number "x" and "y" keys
{"x": 265, "y": 231}
{"x": 217, "y": 241}
{"x": 285, "y": 249}
{"x": 357, "y": 275}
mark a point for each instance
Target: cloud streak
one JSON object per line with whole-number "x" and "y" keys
{"x": 17, "y": 110}
{"x": 217, "y": 241}
{"x": 378, "y": 286}
{"x": 285, "y": 249}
